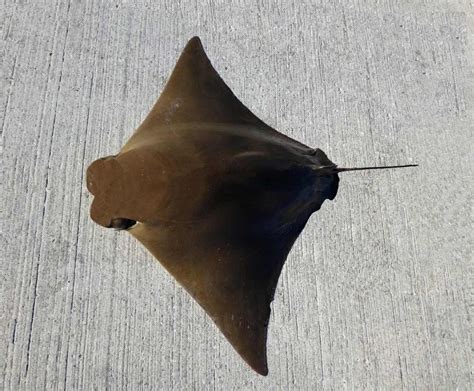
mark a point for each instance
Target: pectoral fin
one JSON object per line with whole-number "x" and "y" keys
{"x": 232, "y": 275}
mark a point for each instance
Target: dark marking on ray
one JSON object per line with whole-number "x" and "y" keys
{"x": 216, "y": 195}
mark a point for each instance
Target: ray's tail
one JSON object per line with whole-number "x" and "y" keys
{"x": 342, "y": 169}
{"x": 333, "y": 169}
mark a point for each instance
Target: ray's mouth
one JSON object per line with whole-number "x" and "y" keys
{"x": 121, "y": 223}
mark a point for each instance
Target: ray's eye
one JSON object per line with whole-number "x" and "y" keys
{"x": 122, "y": 223}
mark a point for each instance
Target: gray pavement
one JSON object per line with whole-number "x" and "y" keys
{"x": 377, "y": 292}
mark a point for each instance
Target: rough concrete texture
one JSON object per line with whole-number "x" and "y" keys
{"x": 377, "y": 292}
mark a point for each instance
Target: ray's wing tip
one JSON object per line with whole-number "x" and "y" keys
{"x": 258, "y": 364}
{"x": 194, "y": 43}
{"x": 263, "y": 371}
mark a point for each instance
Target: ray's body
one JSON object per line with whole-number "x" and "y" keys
{"x": 219, "y": 198}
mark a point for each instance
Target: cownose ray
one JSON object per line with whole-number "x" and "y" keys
{"x": 216, "y": 195}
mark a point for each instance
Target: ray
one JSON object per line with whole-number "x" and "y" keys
{"x": 217, "y": 196}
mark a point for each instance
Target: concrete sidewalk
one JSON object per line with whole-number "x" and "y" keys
{"x": 377, "y": 292}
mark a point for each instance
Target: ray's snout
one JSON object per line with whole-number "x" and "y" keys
{"x": 99, "y": 174}
{"x": 103, "y": 181}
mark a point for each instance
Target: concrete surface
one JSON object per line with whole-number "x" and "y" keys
{"x": 377, "y": 292}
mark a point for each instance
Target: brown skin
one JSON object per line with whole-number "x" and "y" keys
{"x": 216, "y": 195}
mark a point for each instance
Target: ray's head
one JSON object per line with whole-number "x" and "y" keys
{"x": 125, "y": 188}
